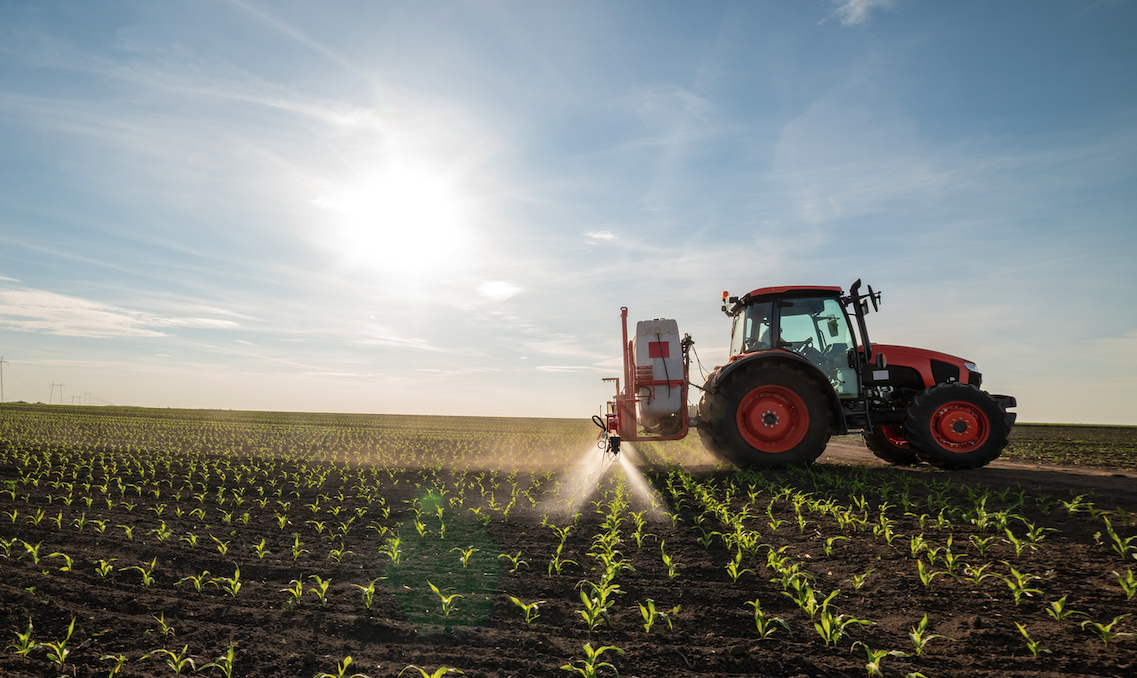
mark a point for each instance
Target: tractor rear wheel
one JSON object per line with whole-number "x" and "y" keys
{"x": 887, "y": 442}
{"x": 956, "y": 426}
{"x": 767, "y": 415}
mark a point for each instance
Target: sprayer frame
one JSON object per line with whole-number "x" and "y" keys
{"x": 621, "y": 422}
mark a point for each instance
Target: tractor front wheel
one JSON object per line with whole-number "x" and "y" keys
{"x": 956, "y": 426}
{"x": 887, "y": 442}
{"x": 767, "y": 415}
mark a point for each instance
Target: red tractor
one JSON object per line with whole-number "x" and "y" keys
{"x": 797, "y": 375}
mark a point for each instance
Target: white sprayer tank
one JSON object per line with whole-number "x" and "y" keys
{"x": 659, "y": 370}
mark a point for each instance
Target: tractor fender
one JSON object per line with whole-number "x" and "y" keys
{"x": 837, "y": 420}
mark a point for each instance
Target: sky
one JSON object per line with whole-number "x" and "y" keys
{"x": 439, "y": 207}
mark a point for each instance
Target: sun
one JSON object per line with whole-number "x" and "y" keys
{"x": 399, "y": 222}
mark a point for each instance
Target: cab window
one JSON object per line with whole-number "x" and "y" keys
{"x": 751, "y": 331}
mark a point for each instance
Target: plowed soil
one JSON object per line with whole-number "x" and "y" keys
{"x": 712, "y": 633}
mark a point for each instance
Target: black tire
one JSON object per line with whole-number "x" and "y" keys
{"x": 767, "y": 415}
{"x": 888, "y": 443}
{"x": 956, "y": 426}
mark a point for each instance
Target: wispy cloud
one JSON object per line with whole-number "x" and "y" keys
{"x": 498, "y": 290}
{"x": 30, "y": 310}
{"x": 592, "y": 237}
{"x": 572, "y": 368}
{"x": 382, "y": 336}
{"x": 852, "y": 12}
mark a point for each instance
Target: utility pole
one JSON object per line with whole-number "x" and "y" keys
{"x": 2, "y": 361}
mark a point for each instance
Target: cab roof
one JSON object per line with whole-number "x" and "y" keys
{"x": 794, "y": 291}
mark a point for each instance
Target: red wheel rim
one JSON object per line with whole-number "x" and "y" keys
{"x": 894, "y": 435}
{"x": 960, "y": 427}
{"x": 772, "y": 419}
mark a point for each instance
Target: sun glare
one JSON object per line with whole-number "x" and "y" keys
{"x": 400, "y": 223}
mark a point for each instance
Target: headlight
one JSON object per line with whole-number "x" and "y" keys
{"x": 970, "y": 366}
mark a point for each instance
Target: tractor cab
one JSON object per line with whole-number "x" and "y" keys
{"x": 809, "y": 322}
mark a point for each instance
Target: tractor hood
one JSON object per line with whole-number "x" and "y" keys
{"x": 934, "y": 367}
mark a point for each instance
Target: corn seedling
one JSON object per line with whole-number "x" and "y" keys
{"x": 514, "y": 561}
{"x": 828, "y": 549}
{"x": 920, "y": 637}
{"x": 198, "y": 580}
{"x": 230, "y": 585}
{"x": 341, "y": 671}
{"x": 260, "y": 549}
{"x": 296, "y": 591}
{"x": 672, "y": 566}
{"x": 146, "y": 572}
{"x": 118, "y": 659}
{"x": 297, "y": 547}
{"x": 57, "y": 652}
{"x": 67, "y": 563}
{"x": 337, "y": 554}
{"x": 1120, "y": 546}
{"x": 321, "y": 588}
{"x": 875, "y": 657}
{"x": 858, "y": 580}
{"x": 32, "y": 551}
{"x": 556, "y": 564}
{"x": 764, "y": 622}
{"x": 1059, "y": 611}
{"x": 594, "y": 611}
{"x": 165, "y": 629}
{"x": 224, "y": 662}
{"x": 530, "y": 609}
{"x": 466, "y": 554}
{"x": 1126, "y": 582}
{"x": 438, "y": 673}
{"x": 1105, "y": 632}
{"x": 177, "y": 661}
{"x": 732, "y": 568}
{"x": 1018, "y": 544}
{"x": 391, "y": 548}
{"x": 162, "y": 532}
{"x": 832, "y": 627}
{"x": 982, "y": 544}
{"x": 927, "y": 576}
{"x": 24, "y": 643}
{"x": 104, "y": 567}
{"x": 1034, "y": 646}
{"x": 650, "y": 615}
{"x": 368, "y": 592}
{"x": 976, "y": 575}
{"x": 446, "y": 600}
{"x": 1018, "y": 583}
{"x": 591, "y": 663}
{"x": 222, "y": 546}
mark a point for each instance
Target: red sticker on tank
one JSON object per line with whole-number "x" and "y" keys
{"x": 658, "y": 349}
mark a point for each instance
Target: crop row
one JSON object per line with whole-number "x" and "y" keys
{"x": 355, "y": 543}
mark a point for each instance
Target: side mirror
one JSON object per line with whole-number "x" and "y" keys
{"x": 832, "y": 327}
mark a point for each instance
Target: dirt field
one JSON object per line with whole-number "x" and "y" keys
{"x": 130, "y": 587}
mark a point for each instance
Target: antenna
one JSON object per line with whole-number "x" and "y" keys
{"x": 2, "y": 361}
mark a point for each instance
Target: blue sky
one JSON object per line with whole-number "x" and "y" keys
{"x": 439, "y": 207}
